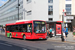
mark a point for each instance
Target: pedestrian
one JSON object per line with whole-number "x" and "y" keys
{"x": 50, "y": 32}
{"x": 0, "y": 29}
{"x": 66, "y": 33}
{"x": 63, "y": 31}
{"x": 74, "y": 31}
{"x": 47, "y": 33}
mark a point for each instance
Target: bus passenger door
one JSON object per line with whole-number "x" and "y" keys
{"x": 29, "y": 29}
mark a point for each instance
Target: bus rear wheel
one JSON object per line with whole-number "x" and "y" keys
{"x": 24, "y": 37}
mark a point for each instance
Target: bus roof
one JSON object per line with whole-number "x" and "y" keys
{"x": 22, "y": 22}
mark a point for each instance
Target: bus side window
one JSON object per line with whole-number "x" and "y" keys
{"x": 15, "y": 28}
{"x": 8, "y": 28}
{"x": 20, "y": 28}
{"x": 24, "y": 28}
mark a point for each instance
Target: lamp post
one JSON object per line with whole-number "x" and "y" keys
{"x": 63, "y": 25}
{"x": 18, "y": 9}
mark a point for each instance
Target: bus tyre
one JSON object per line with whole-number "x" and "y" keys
{"x": 10, "y": 36}
{"x": 24, "y": 37}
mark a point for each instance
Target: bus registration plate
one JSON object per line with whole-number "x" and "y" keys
{"x": 40, "y": 38}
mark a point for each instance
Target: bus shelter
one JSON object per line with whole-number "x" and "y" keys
{"x": 56, "y": 27}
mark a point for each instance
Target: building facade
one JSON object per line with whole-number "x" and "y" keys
{"x": 9, "y": 12}
{"x": 48, "y": 10}
{"x": 28, "y": 10}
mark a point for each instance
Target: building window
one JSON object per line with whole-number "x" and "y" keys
{"x": 68, "y": 9}
{"x": 50, "y": 10}
{"x": 50, "y": 19}
{"x": 28, "y": 1}
{"x": 68, "y": 5}
{"x": 68, "y": 13}
{"x": 50, "y": 1}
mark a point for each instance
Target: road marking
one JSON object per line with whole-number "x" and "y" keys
{"x": 59, "y": 44}
{"x": 25, "y": 49}
{"x": 5, "y": 44}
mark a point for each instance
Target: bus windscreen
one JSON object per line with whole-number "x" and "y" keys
{"x": 39, "y": 27}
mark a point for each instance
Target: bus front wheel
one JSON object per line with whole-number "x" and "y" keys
{"x": 24, "y": 37}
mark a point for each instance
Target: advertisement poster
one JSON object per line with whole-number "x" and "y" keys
{"x": 58, "y": 29}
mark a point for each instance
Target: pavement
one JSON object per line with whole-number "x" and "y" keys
{"x": 70, "y": 38}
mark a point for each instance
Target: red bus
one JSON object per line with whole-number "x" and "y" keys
{"x": 31, "y": 29}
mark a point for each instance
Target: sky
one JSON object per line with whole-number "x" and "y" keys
{"x": 2, "y": 2}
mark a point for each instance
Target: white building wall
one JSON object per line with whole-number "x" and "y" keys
{"x": 40, "y": 10}
{"x": 61, "y": 7}
{"x": 68, "y": 2}
{"x": 27, "y": 7}
{"x": 55, "y": 10}
{"x": 73, "y": 7}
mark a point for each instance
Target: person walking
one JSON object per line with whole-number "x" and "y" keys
{"x": 50, "y": 34}
{"x": 63, "y": 31}
{"x": 47, "y": 33}
{"x": 66, "y": 33}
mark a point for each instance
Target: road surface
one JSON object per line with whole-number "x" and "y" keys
{"x": 19, "y": 44}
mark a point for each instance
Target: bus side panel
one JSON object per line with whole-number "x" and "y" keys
{"x": 39, "y": 36}
{"x": 20, "y": 35}
{"x": 17, "y": 35}
{"x": 28, "y": 35}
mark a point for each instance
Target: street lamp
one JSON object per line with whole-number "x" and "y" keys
{"x": 63, "y": 25}
{"x": 18, "y": 9}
